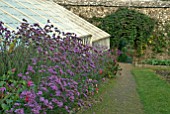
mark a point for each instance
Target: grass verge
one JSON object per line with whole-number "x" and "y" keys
{"x": 154, "y": 92}
{"x": 101, "y": 99}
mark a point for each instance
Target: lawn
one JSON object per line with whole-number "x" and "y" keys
{"x": 102, "y": 99}
{"x": 153, "y": 91}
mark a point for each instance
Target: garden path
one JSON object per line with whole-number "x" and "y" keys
{"x": 123, "y": 97}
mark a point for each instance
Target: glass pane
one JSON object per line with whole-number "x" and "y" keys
{"x": 31, "y": 6}
{"x": 14, "y": 25}
{"x": 41, "y": 11}
{"x": 13, "y": 3}
{"x": 25, "y": 17}
{"x": 6, "y": 18}
{"x": 39, "y": 19}
{"x": 11, "y": 10}
{"x": 27, "y": 11}
{"x": 3, "y": 4}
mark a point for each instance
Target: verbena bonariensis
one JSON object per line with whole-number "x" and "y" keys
{"x": 62, "y": 71}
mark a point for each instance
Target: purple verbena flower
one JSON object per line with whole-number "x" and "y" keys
{"x": 19, "y": 111}
{"x": 2, "y": 89}
{"x": 52, "y": 71}
{"x": 58, "y": 93}
{"x": 17, "y": 104}
{"x": 39, "y": 93}
{"x": 20, "y": 75}
{"x": 42, "y": 99}
{"x": 30, "y": 69}
{"x": 60, "y": 104}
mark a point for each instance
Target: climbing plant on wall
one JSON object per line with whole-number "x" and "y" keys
{"x": 131, "y": 29}
{"x": 160, "y": 39}
{"x": 128, "y": 27}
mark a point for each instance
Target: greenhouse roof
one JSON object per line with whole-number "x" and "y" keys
{"x": 12, "y": 12}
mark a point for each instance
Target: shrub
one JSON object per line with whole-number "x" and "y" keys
{"x": 128, "y": 27}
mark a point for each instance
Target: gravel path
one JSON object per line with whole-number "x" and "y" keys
{"x": 124, "y": 98}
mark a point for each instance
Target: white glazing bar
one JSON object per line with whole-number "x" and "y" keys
{"x": 93, "y": 29}
{"x": 72, "y": 17}
{"x": 60, "y": 27}
{"x": 53, "y": 13}
{"x": 8, "y": 26}
{"x": 23, "y": 13}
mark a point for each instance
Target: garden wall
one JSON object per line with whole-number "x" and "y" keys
{"x": 100, "y": 8}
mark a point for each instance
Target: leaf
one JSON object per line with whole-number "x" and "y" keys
{"x": 6, "y": 97}
{"x": 9, "y": 101}
{"x": 4, "y": 106}
{"x": 4, "y": 77}
{"x": 19, "y": 90}
{"x": 23, "y": 82}
{"x": 2, "y": 83}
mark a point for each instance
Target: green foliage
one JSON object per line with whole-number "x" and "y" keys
{"x": 111, "y": 69}
{"x": 125, "y": 58}
{"x": 156, "y": 62}
{"x": 17, "y": 57}
{"x": 12, "y": 89}
{"x": 128, "y": 27}
{"x": 126, "y": 55}
{"x": 159, "y": 41}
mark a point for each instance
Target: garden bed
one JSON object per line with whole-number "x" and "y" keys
{"x": 165, "y": 74}
{"x": 44, "y": 70}
{"x": 162, "y": 70}
{"x": 151, "y": 66}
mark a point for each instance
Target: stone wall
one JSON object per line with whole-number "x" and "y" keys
{"x": 100, "y": 8}
{"x": 137, "y": 3}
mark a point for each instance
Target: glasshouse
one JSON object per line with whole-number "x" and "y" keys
{"x": 39, "y": 11}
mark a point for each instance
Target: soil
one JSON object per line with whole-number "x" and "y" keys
{"x": 165, "y": 74}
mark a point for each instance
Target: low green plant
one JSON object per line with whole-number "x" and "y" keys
{"x": 10, "y": 90}
{"x": 156, "y": 62}
{"x": 111, "y": 69}
{"x": 14, "y": 53}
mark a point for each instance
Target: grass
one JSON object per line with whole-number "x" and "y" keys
{"x": 154, "y": 92}
{"x": 103, "y": 97}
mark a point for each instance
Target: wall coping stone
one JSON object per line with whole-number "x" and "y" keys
{"x": 115, "y": 3}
